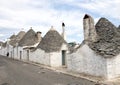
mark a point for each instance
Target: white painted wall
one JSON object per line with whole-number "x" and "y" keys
{"x": 3, "y": 51}
{"x": 9, "y": 48}
{"x": 117, "y": 65}
{"x": 17, "y": 52}
{"x": 56, "y": 59}
{"x": 53, "y": 59}
{"x": 84, "y": 60}
{"x": 10, "y": 51}
{"x": 20, "y": 49}
{"x": 64, "y": 47}
{"x": 24, "y": 57}
{"x": 113, "y": 67}
{"x": 39, "y": 56}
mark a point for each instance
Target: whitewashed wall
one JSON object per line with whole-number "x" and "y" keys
{"x": 17, "y": 52}
{"x": 113, "y": 67}
{"x": 84, "y": 60}
{"x": 9, "y": 48}
{"x": 117, "y": 65}
{"x": 53, "y": 59}
{"x": 20, "y": 49}
{"x": 56, "y": 59}
{"x": 64, "y": 47}
{"x": 10, "y": 51}
{"x": 24, "y": 57}
{"x": 3, "y": 51}
{"x": 39, "y": 56}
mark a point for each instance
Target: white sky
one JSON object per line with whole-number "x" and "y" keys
{"x": 42, "y": 14}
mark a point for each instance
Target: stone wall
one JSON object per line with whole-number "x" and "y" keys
{"x": 39, "y": 56}
{"x": 90, "y": 34}
{"x": 113, "y": 67}
{"x": 85, "y": 60}
{"x": 10, "y": 51}
{"x": 56, "y": 59}
{"x": 17, "y": 53}
{"x": 24, "y": 57}
{"x": 108, "y": 44}
{"x": 3, "y": 51}
{"x": 53, "y": 59}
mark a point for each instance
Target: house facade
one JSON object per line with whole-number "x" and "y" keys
{"x": 51, "y": 50}
{"x": 98, "y": 55}
{"x": 12, "y": 44}
{"x": 30, "y": 40}
{"x": 3, "y": 48}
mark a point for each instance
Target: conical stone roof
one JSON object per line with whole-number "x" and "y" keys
{"x": 105, "y": 29}
{"x": 20, "y": 35}
{"x": 30, "y": 38}
{"x": 52, "y": 41}
{"x": 118, "y": 28}
{"x": 12, "y": 36}
{"x": 12, "y": 40}
{"x": 16, "y": 38}
{"x": 108, "y": 43}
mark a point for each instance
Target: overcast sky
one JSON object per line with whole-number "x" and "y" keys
{"x": 42, "y": 14}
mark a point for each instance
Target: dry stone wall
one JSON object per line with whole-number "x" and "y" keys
{"x": 108, "y": 42}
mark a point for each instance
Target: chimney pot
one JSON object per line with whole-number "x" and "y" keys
{"x": 39, "y": 36}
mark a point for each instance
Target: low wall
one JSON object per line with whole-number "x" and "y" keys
{"x": 39, "y": 56}
{"x": 56, "y": 59}
{"x": 84, "y": 60}
{"x": 113, "y": 66}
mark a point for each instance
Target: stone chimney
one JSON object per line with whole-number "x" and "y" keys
{"x": 63, "y": 31}
{"x": 39, "y": 36}
{"x": 90, "y": 34}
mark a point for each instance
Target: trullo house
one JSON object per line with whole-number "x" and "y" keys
{"x": 3, "y": 48}
{"x": 51, "y": 50}
{"x": 30, "y": 40}
{"x": 9, "y": 49}
{"x": 14, "y": 43}
{"x": 99, "y": 53}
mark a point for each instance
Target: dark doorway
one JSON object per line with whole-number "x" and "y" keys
{"x": 20, "y": 55}
{"x": 27, "y": 55}
{"x": 7, "y": 54}
{"x": 63, "y": 57}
